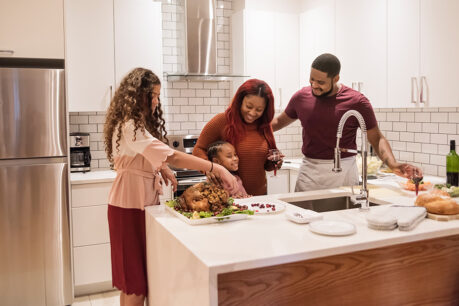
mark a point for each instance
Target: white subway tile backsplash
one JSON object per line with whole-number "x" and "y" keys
{"x": 429, "y": 169}
{"x": 421, "y": 158}
{"x": 385, "y": 126}
{"x": 392, "y": 136}
{"x": 189, "y": 93}
{"x": 394, "y": 116}
{"x": 196, "y": 85}
{"x": 414, "y": 127}
{"x": 430, "y": 127}
{"x": 439, "y": 117}
{"x": 438, "y": 160}
{"x": 422, "y": 137}
{"x": 406, "y": 156}
{"x": 438, "y": 138}
{"x": 429, "y": 148}
{"x": 406, "y": 136}
{"x": 88, "y": 128}
{"x": 188, "y": 109}
{"x": 422, "y": 117}
{"x": 218, "y": 93}
{"x": 407, "y": 117}
{"x": 202, "y": 92}
{"x": 453, "y": 117}
{"x": 413, "y": 147}
{"x": 203, "y": 109}
{"x": 196, "y": 101}
{"x": 447, "y": 128}
{"x": 399, "y": 126}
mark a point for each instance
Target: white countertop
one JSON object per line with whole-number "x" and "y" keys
{"x": 265, "y": 240}
{"x": 92, "y": 177}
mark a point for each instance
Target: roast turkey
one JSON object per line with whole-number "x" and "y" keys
{"x": 204, "y": 197}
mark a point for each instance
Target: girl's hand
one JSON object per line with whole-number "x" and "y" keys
{"x": 168, "y": 175}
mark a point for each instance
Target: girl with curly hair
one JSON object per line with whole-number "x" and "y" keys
{"x": 246, "y": 124}
{"x": 135, "y": 143}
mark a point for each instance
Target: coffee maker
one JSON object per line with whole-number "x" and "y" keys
{"x": 80, "y": 155}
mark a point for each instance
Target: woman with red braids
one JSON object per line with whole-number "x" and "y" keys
{"x": 246, "y": 124}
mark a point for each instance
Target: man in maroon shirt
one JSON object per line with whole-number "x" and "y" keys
{"x": 319, "y": 107}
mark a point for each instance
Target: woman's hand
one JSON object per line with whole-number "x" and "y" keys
{"x": 168, "y": 175}
{"x": 214, "y": 177}
{"x": 276, "y": 157}
{"x": 228, "y": 180}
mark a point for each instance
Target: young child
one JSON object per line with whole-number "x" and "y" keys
{"x": 135, "y": 143}
{"x": 223, "y": 153}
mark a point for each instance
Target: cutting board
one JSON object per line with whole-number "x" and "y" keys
{"x": 442, "y": 217}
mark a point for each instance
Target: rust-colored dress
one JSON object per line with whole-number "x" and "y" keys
{"x": 252, "y": 151}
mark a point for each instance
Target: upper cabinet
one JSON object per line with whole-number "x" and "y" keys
{"x": 265, "y": 46}
{"x": 361, "y": 33}
{"x": 104, "y": 41}
{"x": 33, "y": 29}
{"x": 398, "y": 53}
{"x": 439, "y": 49}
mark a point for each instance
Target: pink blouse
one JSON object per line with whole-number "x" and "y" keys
{"x": 137, "y": 163}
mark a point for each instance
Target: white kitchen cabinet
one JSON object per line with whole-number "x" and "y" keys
{"x": 105, "y": 40}
{"x": 439, "y": 49}
{"x": 279, "y": 183}
{"x": 293, "y": 174}
{"x": 90, "y": 235}
{"x": 92, "y": 269}
{"x": 265, "y": 46}
{"x": 361, "y": 40}
{"x": 317, "y": 34}
{"x": 33, "y": 29}
{"x": 403, "y": 53}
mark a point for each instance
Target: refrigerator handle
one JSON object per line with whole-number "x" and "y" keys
{"x": 414, "y": 84}
{"x": 111, "y": 93}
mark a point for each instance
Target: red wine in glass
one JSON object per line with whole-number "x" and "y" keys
{"x": 275, "y": 158}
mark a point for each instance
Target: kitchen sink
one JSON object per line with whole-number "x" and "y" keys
{"x": 328, "y": 204}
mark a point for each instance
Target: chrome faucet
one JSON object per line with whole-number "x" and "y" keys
{"x": 361, "y": 198}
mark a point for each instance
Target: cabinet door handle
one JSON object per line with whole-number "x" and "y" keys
{"x": 414, "y": 84}
{"x": 353, "y": 85}
{"x": 423, "y": 96}
{"x": 7, "y": 51}
{"x": 360, "y": 86}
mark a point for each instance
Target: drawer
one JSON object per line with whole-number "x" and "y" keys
{"x": 90, "y": 225}
{"x": 92, "y": 264}
{"x": 90, "y": 194}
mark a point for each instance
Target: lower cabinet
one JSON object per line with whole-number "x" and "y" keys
{"x": 90, "y": 236}
{"x": 279, "y": 183}
{"x": 283, "y": 182}
{"x": 92, "y": 268}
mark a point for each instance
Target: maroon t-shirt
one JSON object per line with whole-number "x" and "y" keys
{"x": 320, "y": 116}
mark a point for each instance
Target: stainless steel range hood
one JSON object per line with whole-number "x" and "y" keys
{"x": 201, "y": 44}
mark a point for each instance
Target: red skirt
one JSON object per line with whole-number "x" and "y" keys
{"x": 128, "y": 249}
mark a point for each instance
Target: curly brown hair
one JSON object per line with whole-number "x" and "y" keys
{"x": 132, "y": 101}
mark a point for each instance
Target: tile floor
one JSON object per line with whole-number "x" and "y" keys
{"x": 111, "y": 298}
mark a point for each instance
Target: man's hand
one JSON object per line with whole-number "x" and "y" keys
{"x": 407, "y": 170}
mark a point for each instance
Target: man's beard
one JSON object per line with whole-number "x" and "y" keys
{"x": 325, "y": 93}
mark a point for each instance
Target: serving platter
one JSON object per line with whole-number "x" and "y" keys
{"x": 209, "y": 220}
{"x": 270, "y": 206}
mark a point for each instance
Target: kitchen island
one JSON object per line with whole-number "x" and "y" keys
{"x": 269, "y": 260}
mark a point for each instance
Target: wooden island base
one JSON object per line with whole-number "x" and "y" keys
{"x": 418, "y": 273}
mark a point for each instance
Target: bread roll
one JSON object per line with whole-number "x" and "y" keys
{"x": 426, "y": 198}
{"x": 442, "y": 207}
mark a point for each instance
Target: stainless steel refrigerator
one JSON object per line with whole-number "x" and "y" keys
{"x": 35, "y": 258}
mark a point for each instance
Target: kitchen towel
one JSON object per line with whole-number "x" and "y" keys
{"x": 389, "y": 217}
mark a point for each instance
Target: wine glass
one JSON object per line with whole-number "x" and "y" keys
{"x": 275, "y": 158}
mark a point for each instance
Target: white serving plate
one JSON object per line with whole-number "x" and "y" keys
{"x": 303, "y": 215}
{"x": 209, "y": 220}
{"x": 332, "y": 228}
{"x": 279, "y": 205}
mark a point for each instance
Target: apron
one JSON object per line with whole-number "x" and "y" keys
{"x": 317, "y": 174}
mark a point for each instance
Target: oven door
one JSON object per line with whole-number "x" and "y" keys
{"x": 185, "y": 182}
